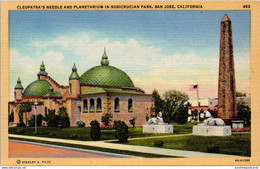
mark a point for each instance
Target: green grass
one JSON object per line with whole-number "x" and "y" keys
{"x": 132, "y": 153}
{"x": 236, "y": 144}
{"x": 83, "y": 133}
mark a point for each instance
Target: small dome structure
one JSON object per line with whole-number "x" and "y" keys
{"x": 37, "y": 88}
{"x": 19, "y": 84}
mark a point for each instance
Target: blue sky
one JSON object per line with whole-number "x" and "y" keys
{"x": 157, "y": 49}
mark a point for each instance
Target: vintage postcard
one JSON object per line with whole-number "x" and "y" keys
{"x": 149, "y": 82}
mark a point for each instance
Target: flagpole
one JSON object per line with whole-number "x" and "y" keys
{"x": 198, "y": 93}
{"x": 198, "y": 101}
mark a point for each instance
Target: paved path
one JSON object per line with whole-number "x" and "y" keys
{"x": 18, "y": 148}
{"x": 140, "y": 138}
{"x": 141, "y": 149}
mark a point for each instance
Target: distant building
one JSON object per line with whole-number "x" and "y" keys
{"x": 198, "y": 107}
{"x": 207, "y": 104}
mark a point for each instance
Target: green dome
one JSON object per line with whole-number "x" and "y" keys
{"x": 37, "y": 88}
{"x": 106, "y": 75}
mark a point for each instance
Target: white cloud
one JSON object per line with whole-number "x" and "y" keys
{"x": 147, "y": 65}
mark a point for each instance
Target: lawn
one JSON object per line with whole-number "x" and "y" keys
{"x": 236, "y": 144}
{"x": 83, "y": 133}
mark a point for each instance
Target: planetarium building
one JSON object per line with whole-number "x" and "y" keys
{"x": 101, "y": 89}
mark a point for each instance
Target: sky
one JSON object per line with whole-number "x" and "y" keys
{"x": 165, "y": 50}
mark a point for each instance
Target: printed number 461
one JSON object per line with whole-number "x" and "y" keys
{"x": 246, "y": 6}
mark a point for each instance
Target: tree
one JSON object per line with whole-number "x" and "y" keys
{"x": 64, "y": 120}
{"x": 51, "y": 118}
{"x": 39, "y": 120}
{"x": 20, "y": 116}
{"x": 244, "y": 111}
{"x": 25, "y": 108}
{"x": 174, "y": 101}
{"x": 11, "y": 116}
{"x": 240, "y": 94}
{"x": 214, "y": 113}
{"x": 106, "y": 118}
{"x": 158, "y": 101}
{"x": 181, "y": 116}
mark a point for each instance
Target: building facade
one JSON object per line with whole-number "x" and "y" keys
{"x": 101, "y": 89}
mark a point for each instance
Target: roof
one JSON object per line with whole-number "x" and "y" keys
{"x": 74, "y": 74}
{"x": 18, "y": 85}
{"x": 106, "y": 75}
{"x": 52, "y": 93}
{"x": 111, "y": 90}
{"x": 37, "y": 88}
{"x": 42, "y": 70}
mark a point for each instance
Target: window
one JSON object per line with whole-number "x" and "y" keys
{"x": 92, "y": 105}
{"x": 85, "y": 105}
{"x": 70, "y": 88}
{"x": 14, "y": 95}
{"x": 117, "y": 104}
{"x": 130, "y": 105}
{"x": 99, "y": 104}
{"x": 79, "y": 110}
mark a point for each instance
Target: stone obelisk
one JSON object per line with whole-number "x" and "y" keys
{"x": 227, "y": 108}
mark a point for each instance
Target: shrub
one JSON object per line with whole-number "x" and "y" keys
{"x": 106, "y": 118}
{"x": 132, "y": 121}
{"x": 39, "y": 120}
{"x": 122, "y": 132}
{"x": 35, "y": 133}
{"x": 80, "y": 123}
{"x": 147, "y": 117}
{"x": 158, "y": 143}
{"x": 52, "y": 134}
{"x": 106, "y": 127}
{"x": 73, "y": 136}
{"x": 95, "y": 130}
{"x": 52, "y": 119}
{"x": 213, "y": 148}
{"x": 21, "y": 124}
{"x": 64, "y": 120}
{"x": 20, "y": 131}
{"x": 116, "y": 123}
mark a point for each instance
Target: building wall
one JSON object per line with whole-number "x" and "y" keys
{"x": 18, "y": 94}
{"x": 202, "y": 101}
{"x": 86, "y": 88}
{"x": 213, "y": 102}
{"x": 141, "y": 108}
{"x": 39, "y": 110}
{"x": 75, "y": 87}
{"x": 88, "y": 116}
